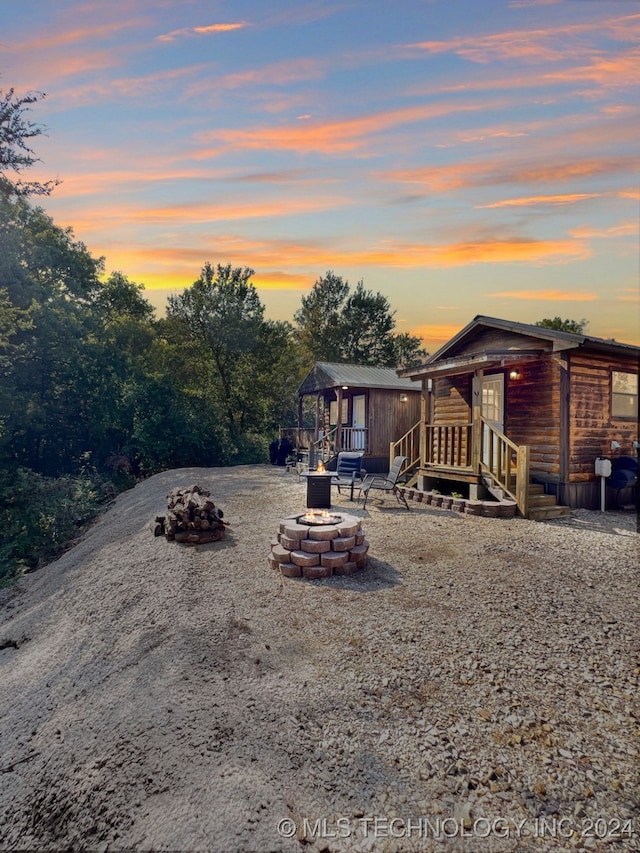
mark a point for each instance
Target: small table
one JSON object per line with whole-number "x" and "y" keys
{"x": 318, "y": 488}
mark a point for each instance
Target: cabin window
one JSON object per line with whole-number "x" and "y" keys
{"x": 333, "y": 412}
{"x": 624, "y": 395}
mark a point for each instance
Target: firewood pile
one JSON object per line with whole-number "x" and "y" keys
{"x": 191, "y": 517}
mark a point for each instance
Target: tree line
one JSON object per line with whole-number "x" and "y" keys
{"x": 95, "y": 391}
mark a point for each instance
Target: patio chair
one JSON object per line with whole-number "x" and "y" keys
{"x": 348, "y": 470}
{"x": 384, "y": 482}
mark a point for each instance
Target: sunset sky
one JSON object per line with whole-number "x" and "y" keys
{"x": 462, "y": 157}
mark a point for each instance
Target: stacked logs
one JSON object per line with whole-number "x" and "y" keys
{"x": 191, "y": 517}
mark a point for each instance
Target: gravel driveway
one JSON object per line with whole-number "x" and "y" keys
{"x": 474, "y": 689}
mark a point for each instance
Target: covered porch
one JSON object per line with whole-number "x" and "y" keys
{"x": 463, "y": 430}
{"x": 355, "y": 408}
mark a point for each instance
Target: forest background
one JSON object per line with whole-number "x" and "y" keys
{"x": 97, "y": 392}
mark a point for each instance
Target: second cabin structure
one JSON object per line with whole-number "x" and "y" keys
{"x": 357, "y": 408}
{"x": 523, "y": 412}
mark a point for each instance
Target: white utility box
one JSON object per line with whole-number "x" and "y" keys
{"x": 603, "y": 467}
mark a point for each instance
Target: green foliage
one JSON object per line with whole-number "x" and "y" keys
{"x": 15, "y": 153}
{"x": 86, "y": 371}
{"x": 409, "y": 351}
{"x": 39, "y": 516}
{"x": 576, "y": 326}
{"x": 232, "y": 357}
{"x": 337, "y": 325}
{"x": 319, "y": 319}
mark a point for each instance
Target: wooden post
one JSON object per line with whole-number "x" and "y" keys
{"x": 425, "y": 417}
{"x": 476, "y": 421}
{"x": 339, "y": 420}
{"x": 522, "y": 480}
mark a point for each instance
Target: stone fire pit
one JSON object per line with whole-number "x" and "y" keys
{"x": 318, "y": 544}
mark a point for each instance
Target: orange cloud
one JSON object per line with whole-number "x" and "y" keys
{"x": 279, "y": 280}
{"x": 333, "y": 137}
{"x": 79, "y": 35}
{"x": 541, "y": 45}
{"x": 189, "y": 32}
{"x": 629, "y": 295}
{"x": 267, "y": 255}
{"x": 490, "y": 172}
{"x": 277, "y": 74}
{"x": 432, "y": 333}
{"x": 617, "y": 71}
{"x": 569, "y": 198}
{"x": 547, "y": 295}
{"x": 624, "y": 229}
{"x": 193, "y": 213}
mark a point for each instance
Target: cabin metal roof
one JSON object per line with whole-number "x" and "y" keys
{"x": 326, "y": 374}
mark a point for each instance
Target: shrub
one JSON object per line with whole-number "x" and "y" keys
{"x": 40, "y": 516}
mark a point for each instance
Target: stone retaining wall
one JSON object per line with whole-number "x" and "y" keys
{"x": 301, "y": 550}
{"x": 487, "y": 508}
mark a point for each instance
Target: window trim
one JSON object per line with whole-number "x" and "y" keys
{"x": 618, "y": 395}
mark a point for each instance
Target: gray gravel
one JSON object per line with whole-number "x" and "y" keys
{"x": 474, "y": 689}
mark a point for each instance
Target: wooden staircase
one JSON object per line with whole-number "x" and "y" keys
{"x": 543, "y": 506}
{"x": 540, "y": 505}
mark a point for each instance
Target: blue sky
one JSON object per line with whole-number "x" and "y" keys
{"x": 459, "y": 157}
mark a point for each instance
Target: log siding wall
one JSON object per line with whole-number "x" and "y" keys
{"x": 533, "y": 405}
{"x": 591, "y": 426}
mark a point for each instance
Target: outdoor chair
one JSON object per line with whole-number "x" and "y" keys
{"x": 386, "y": 483}
{"x": 348, "y": 470}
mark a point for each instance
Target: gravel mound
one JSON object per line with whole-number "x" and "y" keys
{"x": 475, "y": 688}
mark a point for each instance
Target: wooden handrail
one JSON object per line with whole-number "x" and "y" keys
{"x": 407, "y": 445}
{"x": 463, "y": 446}
{"x": 351, "y": 439}
{"x": 320, "y": 450}
{"x": 506, "y": 463}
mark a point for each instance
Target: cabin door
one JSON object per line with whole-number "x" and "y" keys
{"x": 492, "y": 411}
{"x": 359, "y": 422}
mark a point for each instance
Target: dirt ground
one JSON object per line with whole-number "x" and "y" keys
{"x": 158, "y": 696}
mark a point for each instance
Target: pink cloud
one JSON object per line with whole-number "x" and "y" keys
{"x": 540, "y": 45}
{"x": 624, "y": 229}
{"x": 347, "y": 135}
{"x": 548, "y": 295}
{"x": 190, "y": 32}
{"x": 568, "y": 198}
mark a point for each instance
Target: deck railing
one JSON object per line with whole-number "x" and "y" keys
{"x": 482, "y": 449}
{"x": 448, "y": 445}
{"x": 407, "y": 445}
{"x": 350, "y": 439}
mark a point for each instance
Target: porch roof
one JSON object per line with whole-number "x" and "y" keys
{"x": 471, "y": 362}
{"x": 324, "y": 375}
{"x": 444, "y": 361}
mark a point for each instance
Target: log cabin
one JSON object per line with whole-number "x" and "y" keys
{"x": 522, "y": 412}
{"x": 357, "y": 408}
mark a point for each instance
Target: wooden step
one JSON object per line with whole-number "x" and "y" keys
{"x": 542, "y": 500}
{"x": 542, "y": 513}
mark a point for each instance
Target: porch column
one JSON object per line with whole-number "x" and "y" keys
{"x": 339, "y": 420}
{"x": 425, "y": 418}
{"x": 476, "y": 421}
